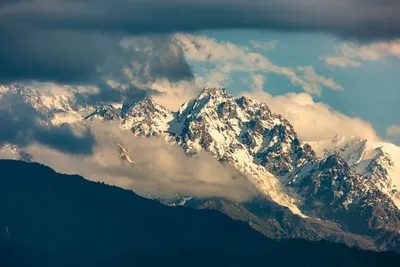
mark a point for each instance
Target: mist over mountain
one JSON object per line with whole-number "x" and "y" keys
{"x": 199, "y": 133}
{"x": 234, "y": 155}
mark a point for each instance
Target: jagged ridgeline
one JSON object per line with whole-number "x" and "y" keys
{"x": 343, "y": 190}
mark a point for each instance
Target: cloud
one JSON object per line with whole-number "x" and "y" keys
{"x": 147, "y": 65}
{"x": 258, "y": 82}
{"x": 342, "y": 62}
{"x": 29, "y": 53}
{"x": 352, "y": 54}
{"x": 364, "y": 19}
{"x": 50, "y": 55}
{"x": 264, "y": 45}
{"x": 159, "y": 169}
{"x": 393, "y": 130}
{"x": 313, "y": 83}
{"x": 141, "y": 65}
{"x": 225, "y": 58}
{"x": 315, "y": 121}
{"x": 152, "y": 65}
{"x": 150, "y": 58}
{"x": 172, "y": 95}
{"x": 22, "y": 125}
{"x": 66, "y": 41}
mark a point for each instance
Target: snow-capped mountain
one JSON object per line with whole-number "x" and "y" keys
{"x": 346, "y": 184}
{"x": 333, "y": 191}
{"x": 378, "y": 161}
{"x": 56, "y": 108}
{"x": 343, "y": 189}
{"x": 241, "y": 131}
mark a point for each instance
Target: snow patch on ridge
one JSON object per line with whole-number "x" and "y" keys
{"x": 378, "y": 161}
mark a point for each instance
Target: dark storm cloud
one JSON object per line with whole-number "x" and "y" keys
{"x": 154, "y": 57}
{"x": 19, "y": 123}
{"x": 355, "y": 18}
{"x": 66, "y": 40}
{"x": 63, "y": 139}
{"x": 147, "y": 59}
{"x": 77, "y": 57}
{"x": 27, "y": 53}
{"x": 150, "y": 58}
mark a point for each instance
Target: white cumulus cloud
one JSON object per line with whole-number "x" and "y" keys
{"x": 264, "y": 45}
{"x": 225, "y": 58}
{"x": 352, "y": 54}
{"x": 314, "y": 121}
{"x": 393, "y": 130}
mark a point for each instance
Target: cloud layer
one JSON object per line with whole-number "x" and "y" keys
{"x": 355, "y": 18}
{"x": 315, "y": 121}
{"x": 158, "y": 170}
{"x": 352, "y": 55}
{"x": 393, "y": 130}
{"x": 135, "y": 66}
{"x": 79, "y": 57}
{"x": 225, "y": 58}
{"x": 66, "y": 41}
{"x": 22, "y": 125}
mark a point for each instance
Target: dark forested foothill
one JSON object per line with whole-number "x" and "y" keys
{"x": 51, "y": 219}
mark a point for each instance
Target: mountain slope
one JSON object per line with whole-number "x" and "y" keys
{"x": 327, "y": 193}
{"x": 54, "y": 108}
{"x": 264, "y": 147}
{"x": 378, "y": 161}
{"x": 334, "y": 191}
{"x": 61, "y": 220}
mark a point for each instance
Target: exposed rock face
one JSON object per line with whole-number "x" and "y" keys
{"x": 106, "y": 112}
{"x": 342, "y": 189}
{"x": 146, "y": 118}
{"x": 335, "y": 192}
{"x": 264, "y": 146}
{"x": 377, "y": 161}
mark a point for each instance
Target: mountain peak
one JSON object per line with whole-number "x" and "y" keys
{"x": 148, "y": 99}
{"x": 143, "y": 102}
{"x": 214, "y": 92}
{"x": 333, "y": 161}
{"x": 107, "y": 112}
{"x": 147, "y": 102}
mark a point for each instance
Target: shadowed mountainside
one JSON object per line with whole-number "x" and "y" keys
{"x": 51, "y": 219}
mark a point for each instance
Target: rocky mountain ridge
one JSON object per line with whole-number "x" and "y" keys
{"x": 376, "y": 160}
{"x": 334, "y": 195}
{"x": 265, "y": 147}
